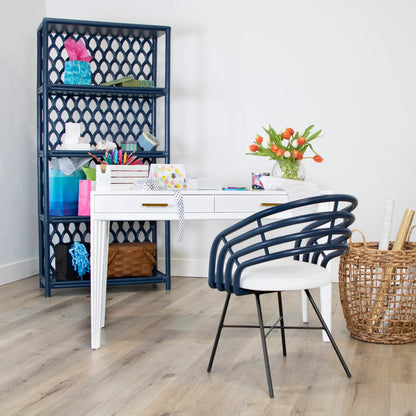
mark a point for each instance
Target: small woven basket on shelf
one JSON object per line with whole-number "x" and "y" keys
{"x": 378, "y": 292}
{"x": 131, "y": 259}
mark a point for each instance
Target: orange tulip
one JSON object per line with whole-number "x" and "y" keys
{"x": 295, "y": 154}
{"x": 286, "y": 135}
{"x": 274, "y": 148}
{"x": 280, "y": 152}
{"x": 299, "y": 156}
{"x": 301, "y": 141}
{"x": 253, "y": 148}
{"x": 259, "y": 139}
{"x": 290, "y": 130}
{"x": 318, "y": 158}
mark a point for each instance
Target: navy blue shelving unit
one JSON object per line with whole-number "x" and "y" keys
{"x": 105, "y": 113}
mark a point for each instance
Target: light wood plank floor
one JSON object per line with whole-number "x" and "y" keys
{"x": 155, "y": 350}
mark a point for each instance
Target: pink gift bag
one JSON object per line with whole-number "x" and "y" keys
{"x": 84, "y": 197}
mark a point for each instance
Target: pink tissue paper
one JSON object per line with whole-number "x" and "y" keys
{"x": 77, "y": 50}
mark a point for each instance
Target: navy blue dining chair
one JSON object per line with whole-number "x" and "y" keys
{"x": 285, "y": 247}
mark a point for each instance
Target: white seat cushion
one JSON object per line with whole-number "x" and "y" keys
{"x": 284, "y": 274}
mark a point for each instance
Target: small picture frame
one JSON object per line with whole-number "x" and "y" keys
{"x": 170, "y": 176}
{"x": 256, "y": 181}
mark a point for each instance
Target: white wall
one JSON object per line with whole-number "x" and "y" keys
{"x": 18, "y": 207}
{"x": 346, "y": 66}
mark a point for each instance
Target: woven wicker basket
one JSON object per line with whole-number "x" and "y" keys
{"x": 366, "y": 275}
{"x": 131, "y": 259}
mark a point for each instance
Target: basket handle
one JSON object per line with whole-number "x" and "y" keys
{"x": 410, "y": 232}
{"x": 362, "y": 236}
{"x": 151, "y": 258}
{"x": 112, "y": 257}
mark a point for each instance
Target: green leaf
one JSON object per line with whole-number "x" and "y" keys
{"x": 307, "y": 131}
{"x": 315, "y": 135}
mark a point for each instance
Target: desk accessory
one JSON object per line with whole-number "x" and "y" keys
{"x": 170, "y": 176}
{"x": 256, "y": 182}
{"x": 118, "y": 177}
{"x": 148, "y": 142}
{"x": 129, "y": 81}
{"x": 117, "y": 82}
{"x": 71, "y": 139}
{"x": 204, "y": 183}
{"x": 234, "y": 188}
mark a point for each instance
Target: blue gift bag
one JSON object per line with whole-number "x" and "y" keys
{"x": 77, "y": 73}
{"x": 63, "y": 192}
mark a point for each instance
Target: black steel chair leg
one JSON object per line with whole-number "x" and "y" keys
{"x": 220, "y": 326}
{"x": 264, "y": 345}
{"x": 328, "y": 332}
{"x": 282, "y": 323}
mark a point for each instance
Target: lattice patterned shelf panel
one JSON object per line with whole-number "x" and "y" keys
{"x": 120, "y": 232}
{"x": 113, "y": 57}
{"x": 101, "y": 117}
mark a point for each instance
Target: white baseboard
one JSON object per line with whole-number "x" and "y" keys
{"x": 188, "y": 267}
{"x": 15, "y": 271}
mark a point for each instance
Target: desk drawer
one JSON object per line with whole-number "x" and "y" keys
{"x": 152, "y": 203}
{"x": 247, "y": 203}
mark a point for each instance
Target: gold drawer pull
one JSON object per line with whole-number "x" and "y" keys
{"x": 269, "y": 204}
{"x": 154, "y": 204}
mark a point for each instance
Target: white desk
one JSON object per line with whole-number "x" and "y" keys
{"x": 109, "y": 206}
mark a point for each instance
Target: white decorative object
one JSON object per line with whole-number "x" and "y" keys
{"x": 295, "y": 189}
{"x": 105, "y": 145}
{"x": 119, "y": 177}
{"x": 73, "y": 130}
{"x": 386, "y": 225}
{"x": 71, "y": 139}
{"x": 204, "y": 183}
{"x": 170, "y": 176}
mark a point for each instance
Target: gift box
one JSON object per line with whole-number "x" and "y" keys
{"x": 77, "y": 73}
{"x": 128, "y": 146}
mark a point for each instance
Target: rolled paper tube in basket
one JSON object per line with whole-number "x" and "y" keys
{"x": 386, "y": 225}
{"x": 389, "y": 272}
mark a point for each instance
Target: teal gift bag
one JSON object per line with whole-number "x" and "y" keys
{"x": 77, "y": 73}
{"x": 63, "y": 192}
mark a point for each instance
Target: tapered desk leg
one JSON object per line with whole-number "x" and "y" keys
{"x": 326, "y": 308}
{"x": 99, "y": 256}
{"x": 305, "y": 317}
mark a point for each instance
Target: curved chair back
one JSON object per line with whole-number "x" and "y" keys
{"x": 312, "y": 230}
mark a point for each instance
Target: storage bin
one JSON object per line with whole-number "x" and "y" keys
{"x": 378, "y": 292}
{"x": 131, "y": 259}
